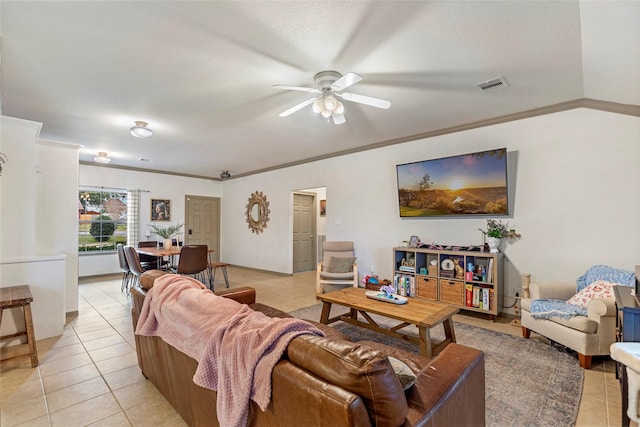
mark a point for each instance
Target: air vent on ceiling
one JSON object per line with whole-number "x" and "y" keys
{"x": 493, "y": 84}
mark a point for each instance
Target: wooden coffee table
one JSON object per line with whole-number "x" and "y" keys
{"x": 424, "y": 314}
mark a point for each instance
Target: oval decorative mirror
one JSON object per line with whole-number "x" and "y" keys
{"x": 257, "y": 212}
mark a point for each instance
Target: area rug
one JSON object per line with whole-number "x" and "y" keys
{"x": 528, "y": 383}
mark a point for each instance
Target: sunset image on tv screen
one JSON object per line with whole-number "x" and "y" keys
{"x": 468, "y": 184}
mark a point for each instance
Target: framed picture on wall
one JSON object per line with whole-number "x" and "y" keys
{"x": 323, "y": 207}
{"x": 160, "y": 210}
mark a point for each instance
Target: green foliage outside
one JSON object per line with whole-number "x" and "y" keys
{"x": 102, "y": 231}
{"x": 86, "y": 242}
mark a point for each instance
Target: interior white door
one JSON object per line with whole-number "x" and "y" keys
{"x": 202, "y": 223}
{"x": 304, "y": 232}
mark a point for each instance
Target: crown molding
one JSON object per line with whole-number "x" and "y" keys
{"x": 612, "y": 107}
{"x": 134, "y": 169}
{"x": 594, "y": 104}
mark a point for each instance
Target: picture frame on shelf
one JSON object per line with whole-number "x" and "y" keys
{"x": 413, "y": 242}
{"x": 160, "y": 210}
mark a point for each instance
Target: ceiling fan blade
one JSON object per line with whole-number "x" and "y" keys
{"x": 338, "y": 118}
{"x": 297, "y": 107}
{"x": 345, "y": 81}
{"x": 367, "y": 100}
{"x": 299, "y": 88}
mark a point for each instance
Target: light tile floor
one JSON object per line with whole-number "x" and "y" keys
{"x": 89, "y": 375}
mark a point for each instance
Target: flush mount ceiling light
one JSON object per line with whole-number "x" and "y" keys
{"x": 225, "y": 175}
{"x": 140, "y": 130}
{"x": 102, "y": 158}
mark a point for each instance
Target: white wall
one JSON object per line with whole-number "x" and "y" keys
{"x": 577, "y": 181}
{"x": 57, "y": 213}
{"x": 17, "y": 186}
{"x": 45, "y": 276}
{"x": 156, "y": 186}
{"x": 38, "y": 224}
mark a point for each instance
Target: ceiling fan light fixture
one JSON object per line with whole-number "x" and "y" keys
{"x": 140, "y": 130}
{"x": 318, "y": 106}
{"x": 102, "y": 158}
{"x": 330, "y": 103}
{"x": 330, "y": 87}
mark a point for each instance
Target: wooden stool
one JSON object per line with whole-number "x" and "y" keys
{"x": 223, "y": 265}
{"x": 20, "y": 296}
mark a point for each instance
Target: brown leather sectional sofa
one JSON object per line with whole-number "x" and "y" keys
{"x": 327, "y": 381}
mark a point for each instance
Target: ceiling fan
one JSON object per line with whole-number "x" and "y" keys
{"x": 331, "y": 85}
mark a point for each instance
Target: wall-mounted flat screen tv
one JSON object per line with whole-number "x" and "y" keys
{"x": 468, "y": 184}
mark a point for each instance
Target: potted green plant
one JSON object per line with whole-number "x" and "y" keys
{"x": 496, "y": 231}
{"x": 166, "y": 232}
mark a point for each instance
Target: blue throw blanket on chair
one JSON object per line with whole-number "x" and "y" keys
{"x": 546, "y": 308}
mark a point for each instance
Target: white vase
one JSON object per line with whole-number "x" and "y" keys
{"x": 167, "y": 243}
{"x": 493, "y": 243}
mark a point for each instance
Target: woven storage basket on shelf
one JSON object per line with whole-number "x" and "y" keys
{"x": 373, "y": 286}
{"x": 452, "y": 291}
{"x": 427, "y": 287}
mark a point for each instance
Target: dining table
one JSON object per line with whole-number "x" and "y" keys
{"x": 161, "y": 252}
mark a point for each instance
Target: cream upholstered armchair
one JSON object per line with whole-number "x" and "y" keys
{"x": 590, "y": 335}
{"x": 338, "y": 266}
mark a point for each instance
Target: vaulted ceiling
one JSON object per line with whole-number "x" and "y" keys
{"x": 200, "y": 73}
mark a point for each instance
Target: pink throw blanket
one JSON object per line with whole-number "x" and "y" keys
{"x": 236, "y": 347}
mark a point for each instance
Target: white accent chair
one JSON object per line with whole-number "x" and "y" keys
{"x": 590, "y": 335}
{"x": 326, "y": 277}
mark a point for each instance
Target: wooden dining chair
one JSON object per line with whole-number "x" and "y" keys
{"x": 194, "y": 261}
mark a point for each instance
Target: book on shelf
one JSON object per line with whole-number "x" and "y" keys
{"x": 476, "y": 297}
{"x": 468, "y": 295}
{"x": 485, "y": 298}
{"x": 404, "y": 285}
{"x": 407, "y": 269}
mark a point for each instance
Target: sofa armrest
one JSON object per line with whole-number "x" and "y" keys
{"x": 552, "y": 290}
{"x": 243, "y": 295}
{"x": 601, "y": 307}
